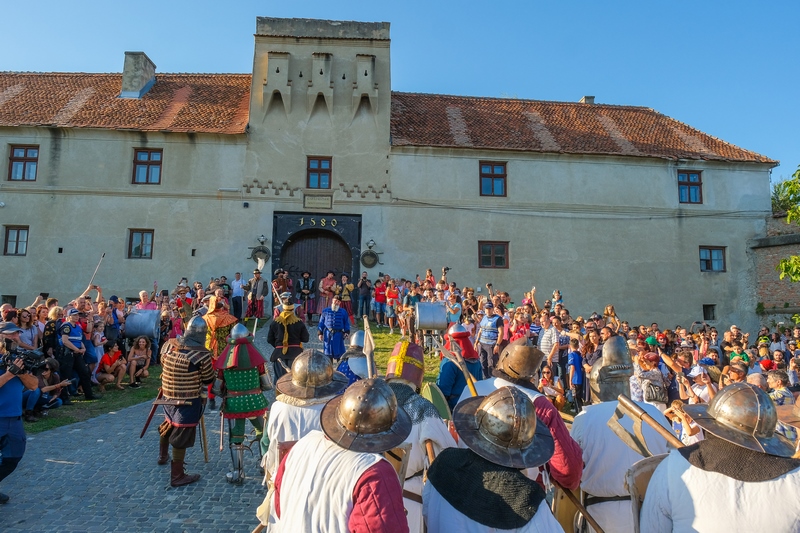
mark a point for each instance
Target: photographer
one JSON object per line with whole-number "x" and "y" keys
{"x": 13, "y": 380}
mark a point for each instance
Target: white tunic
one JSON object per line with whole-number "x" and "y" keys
{"x": 682, "y": 497}
{"x": 316, "y": 493}
{"x": 441, "y": 517}
{"x": 288, "y": 423}
{"x": 607, "y": 459}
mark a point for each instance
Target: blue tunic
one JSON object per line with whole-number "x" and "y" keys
{"x": 333, "y": 325}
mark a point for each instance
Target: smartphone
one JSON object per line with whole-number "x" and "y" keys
{"x": 44, "y": 295}
{"x": 165, "y": 292}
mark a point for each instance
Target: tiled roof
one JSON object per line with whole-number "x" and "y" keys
{"x": 202, "y": 103}
{"x": 561, "y": 127}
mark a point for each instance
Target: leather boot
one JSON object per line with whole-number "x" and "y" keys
{"x": 163, "y": 452}
{"x": 179, "y": 477}
{"x": 28, "y": 417}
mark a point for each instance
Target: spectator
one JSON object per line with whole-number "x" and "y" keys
{"x": 51, "y": 385}
{"x": 380, "y": 303}
{"x": 237, "y": 293}
{"x": 758, "y": 380}
{"x": 392, "y": 303}
{"x": 648, "y": 383}
{"x": 778, "y": 382}
{"x": 364, "y": 294}
{"x": 551, "y": 387}
{"x": 29, "y": 338}
{"x": 113, "y": 367}
{"x": 74, "y": 350}
{"x": 683, "y": 425}
{"x": 139, "y": 361}
{"x": 576, "y": 376}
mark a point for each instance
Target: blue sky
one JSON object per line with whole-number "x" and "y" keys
{"x": 727, "y": 68}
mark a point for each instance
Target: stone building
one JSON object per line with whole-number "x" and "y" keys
{"x": 312, "y": 162}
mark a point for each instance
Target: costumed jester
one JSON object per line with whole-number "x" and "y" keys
{"x": 404, "y": 373}
{"x": 287, "y": 333}
{"x": 334, "y": 327}
{"x": 242, "y": 378}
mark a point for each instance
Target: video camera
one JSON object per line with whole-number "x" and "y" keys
{"x": 32, "y": 360}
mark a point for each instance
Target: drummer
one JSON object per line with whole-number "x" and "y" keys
{"x": 487, "y": 343}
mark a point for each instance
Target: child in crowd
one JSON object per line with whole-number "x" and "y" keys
{"x": 576, "y": 374}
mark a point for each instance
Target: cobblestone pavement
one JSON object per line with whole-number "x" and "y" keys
{"x": 98, "y": 475}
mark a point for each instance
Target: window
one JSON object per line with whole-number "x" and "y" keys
{"x": 493, "y": 179}
{"x": 709, "y": 312}
{"x": 492, "y": 254}
{"x": 140, "y": 244}
{"x": 16, "y": 240}
{"x": 10, "y": 299}
{"x": 22, "y": 163}
{"x": 690, "y": 187}
{"x": 318, "y": 173}
{"x": 147, "y": 166}
{"x": 712, "y": 259}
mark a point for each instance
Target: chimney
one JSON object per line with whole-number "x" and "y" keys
{"x": 138, "y": 75}
{"x": 584, "y": 100}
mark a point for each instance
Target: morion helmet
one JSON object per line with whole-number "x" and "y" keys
{"x": 520, "y": 361}
{"x": 312, "y": 376}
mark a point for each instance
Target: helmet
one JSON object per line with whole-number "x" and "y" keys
{"x": 357, "y": 339}
{"x": 744, "y": 415}
{"x": 457, "y": 331}
{"x": 610, "y": 375}
{"x": 366, "y": 418}
{"x": 312, "y": 376}
{"x": 239, "y": 331}
{"x": 502, "y": 428}
{"x": 195, "y": 333}
{"x": 406, "y": 363}
{"x": 519, "y": 361}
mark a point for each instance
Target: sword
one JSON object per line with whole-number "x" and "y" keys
{"x": 203, "y": 437}
{"x": 152, "y": 412}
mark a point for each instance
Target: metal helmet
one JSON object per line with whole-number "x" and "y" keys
{"x": 502, "y": 428}
{"x": 195, "y": 333}
{"x": 239, "y": 331}
{"x": 520, "y": 361}
{"x": 744, "y": 415}
{"x": 457, "y": 331}
{"x": 312, "y": 376}
{"x": 357, "y": 339}
{"x": 407, "y": 363}
{"x": 286, "y": 301}
{"x": 610, "y": 375}
{"x": 366, "y": 418}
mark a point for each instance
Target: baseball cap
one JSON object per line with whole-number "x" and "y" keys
{"x": 72, "y": 311}
{"x": 114, "y": 299}
{"x": 696, "y": 371}
{"x": 651, "y": 341}
{"x": 8, "y": 327}
{"x": 488, "y": 305}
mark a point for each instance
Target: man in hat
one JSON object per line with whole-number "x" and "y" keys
{"x": 482, "y": 488}
{"x": 306, "y": 294}
{"x": 742, "y": 477}
{"x": 257, "y": 288}
{"x": 186, "y": 372}
{"x": 242, "y": 378}
{"x": 518, "y": 366}
{"x": 336, "y": 479}
{"x": 606, "y": 458}
{"x": 287, "y": 333}
{"x": 333, "y": 328}
{"x": 404, "y": 373}
{"x": 280, "y": 285}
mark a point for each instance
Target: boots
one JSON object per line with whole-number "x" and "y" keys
{"x": 163, "y": 452}
{"x": 236, "y": 476}
{"x": 28, "y": 417}
{"x": 179, "y": 477}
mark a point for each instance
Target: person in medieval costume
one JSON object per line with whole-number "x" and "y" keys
{"x": 306, "y": 296}
{"x": 345, "y": 292}
{"x": 354, "y": 362}
{"x": 186, "y": 372}
{"x": 258, "y": 289}
{"x": 295, "y": 413}
{"x": 334, "y": 328}
{"x": 337, "y": 479}
{"x": 741, "y": 477}
{"x": 481, "y": 488}
{"x": 327, "y": 290}
{"x": 451, "y": 380}
{"x": 242, "y": 378}
{"x": 220, "y": 322}
{"x": 517, "y": 366}
{"x": 606, "y": 457}
{"x": 286, "y": 334}
{"x": 404, "y": 372}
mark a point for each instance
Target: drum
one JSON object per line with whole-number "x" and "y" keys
{"x": 142, "y": 322}
{"x": 431, "y": 316}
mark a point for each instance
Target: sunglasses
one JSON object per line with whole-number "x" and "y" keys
{"x": 547, "y": 373}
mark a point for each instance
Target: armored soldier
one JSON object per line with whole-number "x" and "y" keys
{"x": 338, "y": 480}
{"x": 517, "y": 367}
{"x": 287, "y": 333}
{"x": 742, "y": 459}
{"x": 354, "y": 361}
{"x": 481, "y": 488}
{"x": 242, "y": 378}
{"x": 404, "y": 373}
{"x": 186, "y": 372}
{"x": 606, "y": 458}
{"x": 333, "y": 327}
{"x": 451, "y": 380}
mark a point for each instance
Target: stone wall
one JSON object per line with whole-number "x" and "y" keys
{"x": 771, "y": 291}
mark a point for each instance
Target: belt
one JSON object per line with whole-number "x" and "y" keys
{"x": 234, "y": 393}
{"x": 411, "y": 496}
{"x": 592, "y": 500}
{"x": 335, "y": 330}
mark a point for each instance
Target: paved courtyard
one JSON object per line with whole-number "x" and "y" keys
{"x": 98, "y": 475}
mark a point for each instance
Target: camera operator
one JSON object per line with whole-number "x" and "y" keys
{"x": 13, "y": 380}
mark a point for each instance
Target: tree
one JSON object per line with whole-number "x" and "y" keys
{"x": 787, "y": 194}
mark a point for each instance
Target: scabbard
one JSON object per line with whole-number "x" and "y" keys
{"x": 152, "y": 412}
{"x": 203, "y": 437}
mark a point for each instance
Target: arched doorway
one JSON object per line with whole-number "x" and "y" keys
{"x": 317, "y": 251}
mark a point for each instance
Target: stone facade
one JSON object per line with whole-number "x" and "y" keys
{"x": 778, "y": 296}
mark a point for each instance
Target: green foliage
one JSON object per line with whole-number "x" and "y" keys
{"x": 760, "y": 311}
{"x": 789, "y": 194}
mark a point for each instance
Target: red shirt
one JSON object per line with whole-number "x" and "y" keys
{"x": 380, "y": 294}
{"x": 109, "y": 359}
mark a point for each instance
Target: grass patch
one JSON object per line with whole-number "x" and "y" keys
{"x": 112, "y": 400}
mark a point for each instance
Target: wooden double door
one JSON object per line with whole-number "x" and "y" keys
{"x": 318, "y": 252}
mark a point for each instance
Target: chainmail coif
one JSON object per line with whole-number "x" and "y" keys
{"x": 412, "y": 403}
